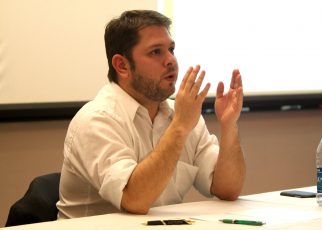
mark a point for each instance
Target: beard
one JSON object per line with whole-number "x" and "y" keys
{"x": 150, "y": 88}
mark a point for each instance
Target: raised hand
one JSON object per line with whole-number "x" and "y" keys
{"x": 189, "y": 98}
{"x": 228, "y": 106}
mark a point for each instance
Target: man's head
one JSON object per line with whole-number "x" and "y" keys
{"x": 122, "y": 34}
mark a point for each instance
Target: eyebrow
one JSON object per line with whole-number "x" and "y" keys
{"x": 172, "y": 43}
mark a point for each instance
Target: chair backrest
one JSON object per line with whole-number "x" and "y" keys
{"x": 39, "y": 202}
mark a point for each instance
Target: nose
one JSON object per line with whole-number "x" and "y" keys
{"x": 170, "y": 60}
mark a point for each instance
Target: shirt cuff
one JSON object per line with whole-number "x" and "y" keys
{"x": 115, "y": 180}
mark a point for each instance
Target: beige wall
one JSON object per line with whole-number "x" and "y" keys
{"x": 56, "y": 45}
{"x": 279, "y": 149}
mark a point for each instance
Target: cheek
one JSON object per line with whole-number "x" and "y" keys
{"x": 148, "y": 69}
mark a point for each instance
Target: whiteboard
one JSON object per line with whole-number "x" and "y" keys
{"x": 276, "y": 44}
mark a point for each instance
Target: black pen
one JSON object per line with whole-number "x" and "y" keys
{"x": 244, "y": 222}
{"x": 169, "y": 222}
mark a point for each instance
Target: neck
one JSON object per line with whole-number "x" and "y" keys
{"x": 153, "y": 110}
{"x": 150, "y": 105}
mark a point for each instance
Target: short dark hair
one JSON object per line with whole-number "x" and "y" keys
{"x": 121, "y": 34}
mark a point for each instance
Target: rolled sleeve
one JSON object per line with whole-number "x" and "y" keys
{"x": 103, "y": 156}
{"x": 115, "y": 180}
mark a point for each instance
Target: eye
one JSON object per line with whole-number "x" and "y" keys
{"x": 171, "y": 50}
{"x": 155, "y": 52}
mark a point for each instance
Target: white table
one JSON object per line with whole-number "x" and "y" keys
{"x": 277, "y": 211}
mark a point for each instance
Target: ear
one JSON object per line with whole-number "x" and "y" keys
{"x": 121, "y": 65}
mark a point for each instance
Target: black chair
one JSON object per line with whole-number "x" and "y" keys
{"x": 39, "y": 202}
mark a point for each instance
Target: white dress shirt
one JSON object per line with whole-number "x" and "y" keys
{"x": 105, "y": 141}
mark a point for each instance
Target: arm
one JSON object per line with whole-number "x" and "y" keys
{"x": 230, "y": 169}
{"x": 151, "y": 176}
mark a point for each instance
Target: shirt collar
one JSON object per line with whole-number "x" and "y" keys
{"x": 132, "y": 106}
{"x": 122, "y": 97}
{"x": 166, "y": 108}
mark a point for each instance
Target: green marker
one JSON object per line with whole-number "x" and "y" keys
{"x": 244, "y": 222}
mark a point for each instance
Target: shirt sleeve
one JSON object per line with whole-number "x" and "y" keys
{"x": 101, "y": 154}
{"x": 206, "y": 157}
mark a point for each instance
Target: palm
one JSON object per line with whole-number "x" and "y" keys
{"x": 228, "y": 106}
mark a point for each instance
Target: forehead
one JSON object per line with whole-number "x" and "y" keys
{"x": 154, "y": 35}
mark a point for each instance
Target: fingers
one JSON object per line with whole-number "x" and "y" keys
{"x": 204, "y": 92}
{"x": 191, "y": 83}
{"x": 185, "y": 78}
{"x": 195, "y": 86}
{"x": 220, "y": 90}
{"x": 236, "y": 80}
{"x": 240, "y": 97}
{"x": 238, "y": 86}
{"x": 192, "y": 78}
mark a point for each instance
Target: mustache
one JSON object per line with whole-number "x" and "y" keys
{"x": 171, "y": 70}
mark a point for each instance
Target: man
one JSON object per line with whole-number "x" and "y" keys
{"x": 131, "y": 148}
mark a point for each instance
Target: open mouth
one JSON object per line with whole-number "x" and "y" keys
{"x": 171, "y": 77}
